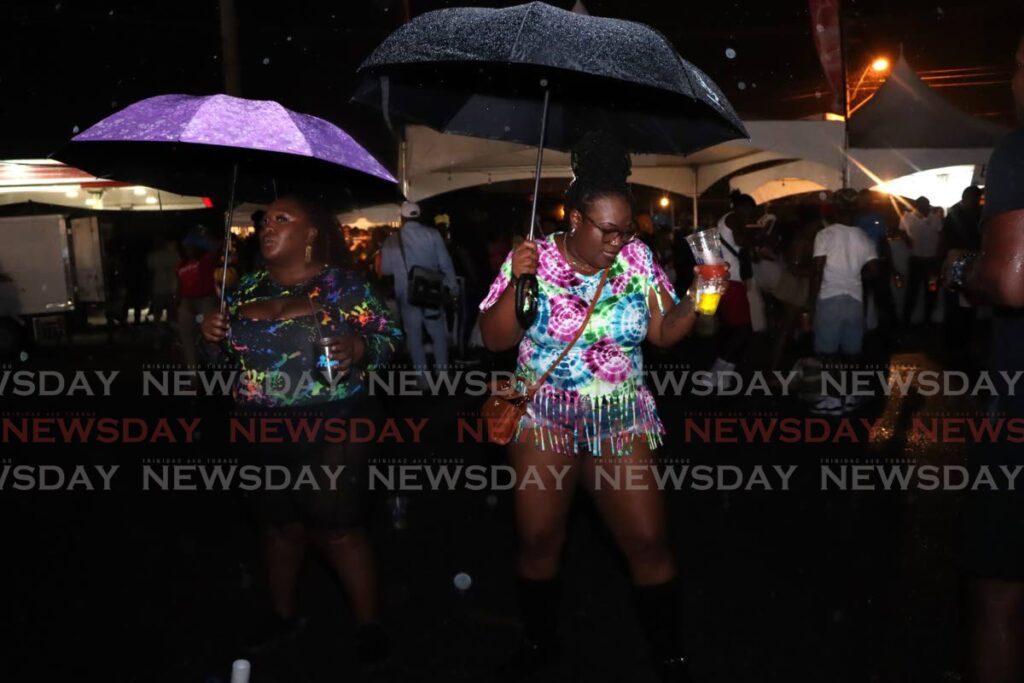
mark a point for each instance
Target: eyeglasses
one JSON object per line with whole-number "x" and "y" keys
{"x": 609, "y": 231}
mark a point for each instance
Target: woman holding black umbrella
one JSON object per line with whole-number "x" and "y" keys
{"x": 304, "y": 331}
{"x": 592, "y": 411}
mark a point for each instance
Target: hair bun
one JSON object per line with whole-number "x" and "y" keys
{"x": 600, "y": 159}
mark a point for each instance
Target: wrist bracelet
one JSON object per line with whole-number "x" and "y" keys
{"x": 958, "y": 269}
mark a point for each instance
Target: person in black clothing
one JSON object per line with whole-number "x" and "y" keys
{"x": 993, "y": 523}
{"x": 683, "y": 259}
{"x": 960, "y": 231}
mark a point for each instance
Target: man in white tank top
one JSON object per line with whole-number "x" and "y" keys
{"x": 734, "y": 308}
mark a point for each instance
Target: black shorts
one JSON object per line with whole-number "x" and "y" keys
{"x": 316, "y": 483}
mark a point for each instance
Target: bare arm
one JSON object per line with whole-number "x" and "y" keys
{"x": 668, "y": 328}
{"x": 498, "y": 324}
{"x": 997, "y": 275}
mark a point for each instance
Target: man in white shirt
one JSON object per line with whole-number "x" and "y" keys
{"x": 419, "y": 245}
{"x": 844, "y": 257}
{"x": 734, "y": 308}
{"x": 922, "y": 229}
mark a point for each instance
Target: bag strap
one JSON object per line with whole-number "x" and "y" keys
{"x": 530, "y": 391}
{"x": 401, "y": 248}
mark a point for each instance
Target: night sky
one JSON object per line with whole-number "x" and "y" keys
{"x": 67, "y": 64}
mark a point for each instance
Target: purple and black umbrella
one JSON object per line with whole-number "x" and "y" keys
{"x": 193, "y": 145}
{"x": 232, "y": 149}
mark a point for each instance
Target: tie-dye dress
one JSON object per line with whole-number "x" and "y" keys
{"x": 281, "y": 362}
{"x": 596, "y": 398}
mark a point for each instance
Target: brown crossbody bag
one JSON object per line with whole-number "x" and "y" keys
{"x": 505, "y": 407}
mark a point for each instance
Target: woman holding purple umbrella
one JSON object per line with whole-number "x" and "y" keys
{"x": 304, "y": 332}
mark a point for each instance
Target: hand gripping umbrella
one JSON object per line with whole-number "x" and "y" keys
{"x": 228, "y": 147}
{"x": 539, "y": 75}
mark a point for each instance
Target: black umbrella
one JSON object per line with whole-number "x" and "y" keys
{"x": 539, "y": 75}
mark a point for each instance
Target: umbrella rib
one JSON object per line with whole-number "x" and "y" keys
{"x": 515, "y": 43}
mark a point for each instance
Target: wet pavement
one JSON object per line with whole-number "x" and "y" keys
{"x": 799, "y": 585}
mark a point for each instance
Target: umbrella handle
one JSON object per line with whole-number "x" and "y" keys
{"x": 526, "y": 300}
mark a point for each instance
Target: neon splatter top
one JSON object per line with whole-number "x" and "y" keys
{"x": 282, "y": 362}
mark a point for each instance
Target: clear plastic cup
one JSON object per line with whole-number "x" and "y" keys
{"x": 712, "y": 281}
{"x": 706, "y": 246}
{"x": 323, "y": 358}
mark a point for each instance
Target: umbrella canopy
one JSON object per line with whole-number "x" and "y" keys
{"x": 478, "y": 72}
{"x": 191, "y": 145}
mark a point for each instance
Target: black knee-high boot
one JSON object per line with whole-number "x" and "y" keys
{"x": 660, "y": 612}
{"x": 540, "y": 648}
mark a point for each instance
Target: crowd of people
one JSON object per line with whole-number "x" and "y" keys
{"x": 817, "y": 274}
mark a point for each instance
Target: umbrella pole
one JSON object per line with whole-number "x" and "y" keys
{"x": 540, "y": 157}
{"x": 526, "y": 286}
{"x": 228, "y": 214}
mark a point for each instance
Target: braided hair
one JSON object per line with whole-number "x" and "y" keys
{"x": 600, "y": 167}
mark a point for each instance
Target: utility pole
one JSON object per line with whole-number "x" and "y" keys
{"x": 229, "y": 48}
{"x": 846, "y": 99}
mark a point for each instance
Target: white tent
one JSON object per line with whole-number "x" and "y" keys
{"x": 907, "y": 127}
{"x": 50, "y": 182}
{"x": 796, "y": 177}
{"x": 435, "y": 163}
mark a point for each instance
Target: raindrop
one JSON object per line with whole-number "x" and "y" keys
{"x": 730, "y": 53}
{"x": 817, "y": 94}
{"x": 741, "y": 85}
{"x": 23, "y": 356}
{"x": 463, "y": 581}
{"x": 492, "y": 500}
{"x": 753, "y": 85}
{"x": 75, "y": 130}
{"x": 289, "y": 39}
{"x": 111, "y": 13}
{"x": 113, "y": 104}
{"x": 823, "y": 196}
{"x": 819, "y": 28}
{"x": 56, "y": 7}
{"x": 266, "y": 60}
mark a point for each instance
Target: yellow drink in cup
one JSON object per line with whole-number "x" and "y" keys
{"x": 707, "y": 301}
{"x": 710, "y": 286}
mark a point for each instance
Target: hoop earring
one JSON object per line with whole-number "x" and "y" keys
{"x": 309, "y": 253}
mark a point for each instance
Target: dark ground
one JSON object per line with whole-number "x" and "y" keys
{"x": 802, "y": 585}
